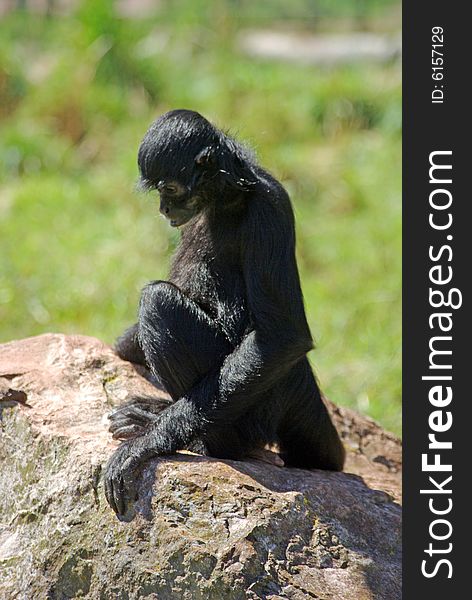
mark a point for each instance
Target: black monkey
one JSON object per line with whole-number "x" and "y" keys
{"x": 227, "y": 335}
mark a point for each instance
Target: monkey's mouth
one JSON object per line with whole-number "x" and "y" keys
{"x": 177, "y": 222}
{"x": 180, "y": 221}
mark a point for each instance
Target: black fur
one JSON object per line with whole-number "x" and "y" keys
{"x": 227, "y": 335}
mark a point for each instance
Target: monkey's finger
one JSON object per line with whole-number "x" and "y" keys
{"x": 278, "y": 461}
{"x": 134, "y": 413}
{"x": 109, "y": 493}
{"x": 128, "y": 413}
{"x": 124, "y": 422}
{"x": 150, "y": 403}
{"x": 125, "y": 432}
{"x": 117, "y": 423}
{"x": 119, "y": 504}
{"x": 125, "y": 493}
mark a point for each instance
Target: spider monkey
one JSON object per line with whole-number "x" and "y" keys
{"x": 226, "y": 335}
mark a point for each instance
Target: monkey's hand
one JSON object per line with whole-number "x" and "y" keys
{"x": 172, "y": 429}
{"x": 122, "y": 473}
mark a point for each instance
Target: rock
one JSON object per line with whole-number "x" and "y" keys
{"x": 206, "y": 529}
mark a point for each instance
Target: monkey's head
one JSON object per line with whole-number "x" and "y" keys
{"x": 192, "y": 164}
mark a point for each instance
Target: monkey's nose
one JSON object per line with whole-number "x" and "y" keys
{"x": 165, "y": 210}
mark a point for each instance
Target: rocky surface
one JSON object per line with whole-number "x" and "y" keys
{"x": 205, "y": 529}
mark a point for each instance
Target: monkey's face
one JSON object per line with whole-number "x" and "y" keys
{"x": 178, "y": 203}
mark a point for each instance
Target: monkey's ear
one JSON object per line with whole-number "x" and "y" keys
{"x": 236, "y": 166}
{"x": 206, "y": 157}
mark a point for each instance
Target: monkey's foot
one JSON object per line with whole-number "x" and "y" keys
{"x": 267, "y": 456}
{"x": 134, "y": 417}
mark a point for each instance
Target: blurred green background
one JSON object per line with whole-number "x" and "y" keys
{"x": 80, "y": 81}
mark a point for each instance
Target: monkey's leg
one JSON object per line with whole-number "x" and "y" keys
{"x": 180, "y": 345}
{"x": 180, "y": 341}
{"x": 308, "y": 438}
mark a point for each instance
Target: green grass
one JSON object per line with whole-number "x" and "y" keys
{"x": 77, "y": 242}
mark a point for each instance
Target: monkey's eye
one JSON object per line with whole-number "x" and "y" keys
{"x": 170, "y": 189}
